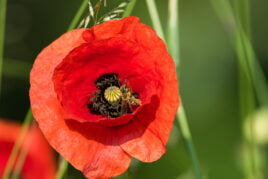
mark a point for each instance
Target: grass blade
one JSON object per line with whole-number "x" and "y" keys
{"x": 129, "y": 8}
{"x": 63, "y": 166}
{"x": 29, "y": 115}
{"x": 174, "y": 48}
{"x": 250, "y": 77}
{"x": 16, "y": 147}
{"x": 155, "y": 18}
{"x": 78, "y": 15}
{"x": 3, "y": 5}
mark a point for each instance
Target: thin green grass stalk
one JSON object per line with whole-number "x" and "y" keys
{"x": 16, "y": 68}
{"x": 252, "y": 69}
{"x": 250, "y": 77}
{"x": 242, "y": 10}
{"x": 173, "y": 31}
{"x": 15, "y": 149}
{"x": 28, "y": 119}
{"x": 155, "y": 18}
{"x": 186, "y": 134}
{"x": 247, "y": 98}
{"x": 129, "y": 8}
{"x": 247, "y": 108}
{"x": 63, "y": 166}
{"x": 78, "y": 15}
{"x": 29, "y": 115}
{"x": 3, "y": 5}
{"x": 174, "y": 48}
{"x": 21, "y": 158}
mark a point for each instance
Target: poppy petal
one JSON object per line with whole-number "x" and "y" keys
{"x": 63, "y": 77}
{"x": 100, "y": 145}
{"x": 35, "y": 165}
{"x": 75, "y": 148}
{"x": 113, "y": 28}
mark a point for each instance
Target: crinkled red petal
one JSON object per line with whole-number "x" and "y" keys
{"x": 105, "y": 157}
{"x": 114, "y": 55}
{"x": 62, "y": 81}
{"x": 79, "y": 150}
{"x": 148, "y": 143}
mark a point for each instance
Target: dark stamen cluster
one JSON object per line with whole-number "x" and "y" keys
{"x": 98, "y": 104}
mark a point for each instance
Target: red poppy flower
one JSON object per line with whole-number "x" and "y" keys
{"x": 39, "y": 161}
{"x": 106, "y": 94}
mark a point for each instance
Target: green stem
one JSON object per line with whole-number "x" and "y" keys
{"x": 173, "y": 31}
{"x": 174, "y": 47}
{"x": 16, "y": 147}
{"x": 129, "y": 8}
{"x": 78, "y": 15}
{"x": 15, "y": 68}
{"x": 186, "y": 134}
{"x": 21, "y": 158}
{"x": 155, "y": 18}
{"x": 3, "y": 5}
{"x": 244, "y": 48}
{"x": 246, "y": 88}
{"x": 29, "y": 115}
{"x": 63, "y": 166}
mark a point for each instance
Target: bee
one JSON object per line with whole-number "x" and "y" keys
{"x": 121, "y": 96}
{"x": 128, "y": 100}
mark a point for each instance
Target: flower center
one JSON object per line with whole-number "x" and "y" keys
{"x": 112, "y": 99}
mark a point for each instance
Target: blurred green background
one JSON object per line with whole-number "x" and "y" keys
{"x": 208, "y": 78}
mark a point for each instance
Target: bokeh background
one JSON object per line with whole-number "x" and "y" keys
{"x": 208, "y": 78}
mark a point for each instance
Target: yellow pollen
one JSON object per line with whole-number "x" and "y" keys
{"x": 112, "y": 94}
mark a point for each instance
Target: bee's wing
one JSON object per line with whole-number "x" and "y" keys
{"x": 125, "y": 107}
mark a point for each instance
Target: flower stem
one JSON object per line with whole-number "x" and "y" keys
{"x": 63, "y": 166}
{"x": 78, "y": 15}
{"x": 29, "y": 115}
{"x": 155, "y": 18}
{"x": 246, "y": 88}
{"x": 129, "y": 8}
{"x": 3, "y": 5}
{"x": 21, "y": 158}
{"x": 186, "y": 134}
{"x": 251, "y": 78}
{"x": 174, "y": 48}
{"x": 173, "y": 31}
{"x": 16, "y": 147}
{"x": 173, "y": 43}
{"x": 241, "y": 42}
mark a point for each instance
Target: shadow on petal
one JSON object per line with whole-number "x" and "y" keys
{"x": 117, "y": 135}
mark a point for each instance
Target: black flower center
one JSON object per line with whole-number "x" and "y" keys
{"x": 112, "y": 99}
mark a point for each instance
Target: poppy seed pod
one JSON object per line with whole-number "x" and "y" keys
{"x": 104, "y": 95}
